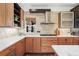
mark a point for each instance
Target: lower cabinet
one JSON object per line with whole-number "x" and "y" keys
{"x": 36, "y": 45}
{"x": 65, "y": 41}
{"x": 61, "y": 41}
{"x": 29, "y": 45}
{"x": 76, "y": 41}
{"x": 20, "y": 47}
{"x": 46, "y": 44}
{"x": 10, "y": 51}
{"x": 49, "y": 41}
{"x": 47, "y": 49}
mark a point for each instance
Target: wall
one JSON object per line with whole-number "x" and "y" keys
{"x": 40, "y": 17}
{"x": 8, "y": 32}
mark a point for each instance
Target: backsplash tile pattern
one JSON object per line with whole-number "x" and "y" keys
{"x": 7, "y": 32}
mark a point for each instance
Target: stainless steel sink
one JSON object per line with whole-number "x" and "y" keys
{"x": 47, "y": 34}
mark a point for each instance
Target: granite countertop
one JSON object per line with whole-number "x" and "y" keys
{"x": 66, "y": 50}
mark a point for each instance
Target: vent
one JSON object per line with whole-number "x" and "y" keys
{"x": 38, "y": 10}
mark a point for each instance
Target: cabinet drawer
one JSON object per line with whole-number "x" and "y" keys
{"x": 76, "y": 41}
{"x": 65, "y": 41}
{"x": 46, "y": 49}
{"x": 48, "y": 42}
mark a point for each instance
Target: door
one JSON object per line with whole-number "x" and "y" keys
{"x": 20, "y": 48}
{"x": 76, "y": 41}
{"x": 61, "y": 41}
{"x": 29, "y": 45}
{"x": 46, "y": 44}
{"x": 9, "y": 16}
{"x": 69, "y": 41}
{"x": 2, "y": 14}
{"x": 36, "y": 45}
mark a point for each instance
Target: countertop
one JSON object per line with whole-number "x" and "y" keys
{"x": 66, "y": 50}
{"x": 4, "y": 43}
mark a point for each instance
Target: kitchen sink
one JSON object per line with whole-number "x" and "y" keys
{"x": 47, "y": 34}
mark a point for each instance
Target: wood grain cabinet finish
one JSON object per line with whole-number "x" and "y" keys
{"x": 75, "y": 9}
{"x": 36, "y": 45}
{"x": 61, "y": 41}
{"x": 46, "y": 44}
{"x": 10, "y": 51}
{"x": 47, "y": 49}
{"x": 48, "y": 41}
{"x": 29, "y": 45}
{"x": 20, "y": 48}
{"x": 2, "y": 14}
{"x": 6, "y": 14}
{"x": 9, "y": 14}
{"x": 69, "y": 41}
{"x": 76, "y": 41}
{"x": 65, "y": 40}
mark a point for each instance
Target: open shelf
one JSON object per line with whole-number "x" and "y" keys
{"x": 17, "y": 9}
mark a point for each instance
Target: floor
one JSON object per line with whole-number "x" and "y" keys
{"x": 40, "y": 54}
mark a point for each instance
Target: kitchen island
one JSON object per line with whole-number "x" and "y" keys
{"x": 66, "y": 50}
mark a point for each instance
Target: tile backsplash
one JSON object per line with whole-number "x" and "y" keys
{"x": 7, "y": 32}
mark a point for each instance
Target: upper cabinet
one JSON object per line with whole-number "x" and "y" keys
{"x": 67, "y": 19}
{"x": 75, "y": 9}
{"x": 2, "y": 14}
{"x": 11, "y": 15}
{"x": 76, "y": 16}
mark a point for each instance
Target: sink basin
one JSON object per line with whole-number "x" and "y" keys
{"x": 47, "y": 34}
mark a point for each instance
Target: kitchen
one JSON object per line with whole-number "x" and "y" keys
{"x": 44, "y": 29}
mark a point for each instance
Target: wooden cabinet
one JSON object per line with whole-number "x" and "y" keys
{"x": 69, "y": 41}
{"x": 9, "y": 14}
{"x": 6, "y": 14}
{"x": 20, "y": 48}
{"x": 2, "y": 14}
{"x": 48, "y": 41}
{"x": 65, "y": 41}
{"x": 10, "y": 51}
{"x": 29, "y": 45}
{"x": 46, "y": 44}
{"x": 36, "y": 45}
{"x": 46, "y": 49}
{"x": 76, "y": 16}
{"x": 33, "y": 45}
{"x": 76, "y": 41}
{"x": 75, "y": 8}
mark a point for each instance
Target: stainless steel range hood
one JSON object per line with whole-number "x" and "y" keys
{"x": 47, "y": 19}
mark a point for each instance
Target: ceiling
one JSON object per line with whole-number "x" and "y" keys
{"x": 52, "y": 6}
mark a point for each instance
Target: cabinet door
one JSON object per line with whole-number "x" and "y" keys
{"x": 29, "y": 45}
{"x": 20, "y": 48}
{"x": 76, "y": 41}
{"x": 47, "y": 49}
{"x": 48, "y": 41}
{"x": 61, "y": 41}
{"x": 9, "y": 16}
{"x": 36, "y": 45}
{"x": 69, "y": 41}
{"x": 2, "y": 14}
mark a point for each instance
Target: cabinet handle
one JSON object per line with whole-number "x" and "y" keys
{"x": 65, "y": 39}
